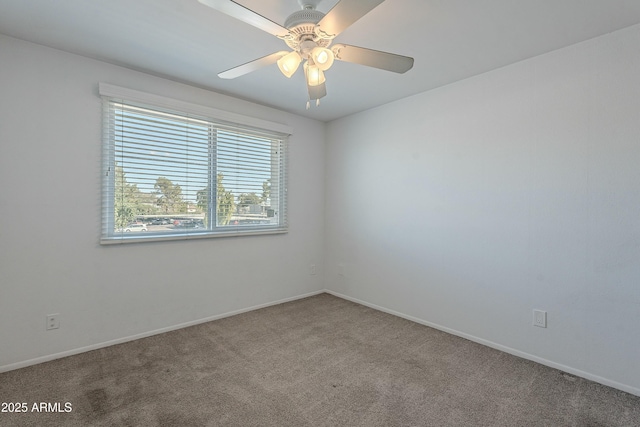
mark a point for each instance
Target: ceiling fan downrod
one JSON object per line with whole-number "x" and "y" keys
{"x": 308, "y": 4}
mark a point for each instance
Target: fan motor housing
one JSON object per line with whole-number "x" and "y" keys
{"x": 305, "y": 16}
{"x": 302, "y": 24}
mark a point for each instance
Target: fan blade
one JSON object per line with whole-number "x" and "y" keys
{"x": 243, "y": 69}
{"x": 240, "y": 12}
{"x": 372, "y": 58}
{"x": 343, "y": 14}
{"x": 317, "y": 92}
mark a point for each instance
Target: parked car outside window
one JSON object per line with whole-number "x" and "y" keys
{"x": 135, "y": 227}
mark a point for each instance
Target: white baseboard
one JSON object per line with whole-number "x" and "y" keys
{"x": 49, "y": 357}
{"x": 542, "y": 361}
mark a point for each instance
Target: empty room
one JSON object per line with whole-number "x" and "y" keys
{"x": 320, "y": 213}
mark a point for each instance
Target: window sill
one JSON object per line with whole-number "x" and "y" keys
{"x": 146, "y": 237}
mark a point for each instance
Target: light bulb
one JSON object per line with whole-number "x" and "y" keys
{"x": 289, "y": 63}
{"x": 322, "y": 57}
{"x": 315, "y": 76}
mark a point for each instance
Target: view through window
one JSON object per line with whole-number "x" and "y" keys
{"x": 174, "y": 174}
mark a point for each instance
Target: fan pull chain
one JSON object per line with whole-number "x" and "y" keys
{"x": 309, "y": 103}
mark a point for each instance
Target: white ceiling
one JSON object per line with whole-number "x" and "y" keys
{"x": 186, "y": 41}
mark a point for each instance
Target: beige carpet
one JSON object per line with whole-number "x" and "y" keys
{"x": 320, "y": 361}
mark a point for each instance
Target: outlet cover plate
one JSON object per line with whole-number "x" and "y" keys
{"x": 53, "y": 321}
{"x": 540, "y": 318}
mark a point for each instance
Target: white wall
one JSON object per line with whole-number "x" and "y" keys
{"x": 468, "y": 206}
{"x": 464, "y": 207}
{"x": 50, "y": 259}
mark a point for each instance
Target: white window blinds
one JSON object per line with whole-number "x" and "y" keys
{"x": 175, "y": 175}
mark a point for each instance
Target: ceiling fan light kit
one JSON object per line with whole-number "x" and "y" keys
{"x": 289, "y": 63}
{"x": 322, "y": 57}
{"x": 313, "y": 74}
{"x": 309, "y": 33}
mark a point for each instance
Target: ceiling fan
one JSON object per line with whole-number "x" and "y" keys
{"x": 309, "y": 33}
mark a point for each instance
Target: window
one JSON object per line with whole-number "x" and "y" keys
{"x": 177, "y": 171}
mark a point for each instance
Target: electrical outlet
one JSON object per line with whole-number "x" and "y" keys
{"x": 312, "y": 269}
{"x": 340, "y": 269}
{"x": 540, "y": 318}
{"x": 53, "y": 321}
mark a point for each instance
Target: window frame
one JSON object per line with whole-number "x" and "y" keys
{"x": 278, "y": 131}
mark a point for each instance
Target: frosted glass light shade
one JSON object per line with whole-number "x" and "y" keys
{"x": 314, "y": 75}
{"x": 322, "y": 58}
{"x": 289, "y": 63}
